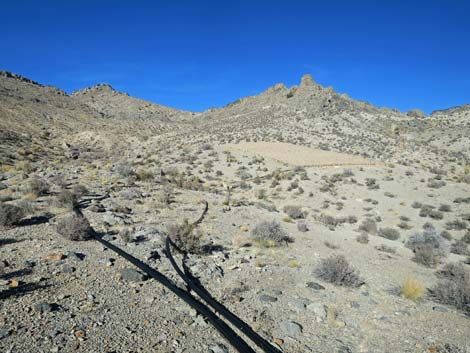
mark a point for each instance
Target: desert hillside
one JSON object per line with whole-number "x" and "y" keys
{"x": 331, "y": 225}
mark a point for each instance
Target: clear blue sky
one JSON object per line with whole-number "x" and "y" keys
{"x": 198, "y": 54}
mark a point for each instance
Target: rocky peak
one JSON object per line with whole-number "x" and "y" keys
{"x": 307, "y": 81}
{"x": 99, "y": 88}
{"x": 12, "y": 75}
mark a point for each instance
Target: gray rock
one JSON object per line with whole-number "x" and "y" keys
{"x": 68, "y": 269}
{"x": 315, "y": 286}
{"x": 219, "y": 348}
{"x": 4, "y": 332}
{"x": 43, "y": 307}
{"x": 300, "y": 304}
{"x": 290, "y": 328}
{"x": 267, "y": 298}
{"x": 319, "y": 310}
{"x": 131, "y": 275}
{"x": 3, "y": 186}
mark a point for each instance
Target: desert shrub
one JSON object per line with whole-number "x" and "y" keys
{"x": 404, "y": 218}
{"x": 260, "y": 194}
{"x": 416, "y": 204}
{"x": 336, "y": 270}
{"x": 466, "y": 237}
{"x": 371, "y": 184}
{"x": 269, "y": 233}
{"x": 294, "y": 212}
{"x": 435, "y": 214}
{"x": 386, "y": 248}
{"x": 404, "y": 225}
{"x": 10, "y": 215}
{"x": 368, "y": 226}
{"x": 436, "y": 184}
{"x": 445, "y": 234}
{"x": 412, "y": 289}
{"x": 459, "y": 248}
{"x": 124, "y": 169}
{"x": 445, "y": 208}
{"x": 144, "y": 175}
{"x": 74, "y": 227}
{"x": 425, "y": 210}
{"x": 454, "y": 287}
{"x": 302, "y": 227}
{"x": 166, "y": 196}
{"x": 38, "y": 186}
{"x": 363, "y": 238}
{"x": 65, "y": 198}
{"x": 456, "y": 224}
{"x": 428, "y": 246}
{"x": 389, "y": 233}
{"x": 186, "y": 237}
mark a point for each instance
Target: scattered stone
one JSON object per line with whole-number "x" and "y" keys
{"x": 219, "y": 348}
{"x": 315, "y": 286}
{"x": 14, "y": 283}
{"x": 54, "y": 257}
{"x": 267, "y": 298}
{"x": 43, "y": 307}
{"x": 131, "y": 275}
{"x": 290, "y": 328}
{"x": 68, "y": 269}
{"x": 319, "y": 310}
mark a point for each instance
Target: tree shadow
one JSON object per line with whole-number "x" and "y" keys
{"x": 21, "y": 290}
{"x": 8, "y": 241}
{"x": 35, "y": 220}
{"x": 19, "y": 273}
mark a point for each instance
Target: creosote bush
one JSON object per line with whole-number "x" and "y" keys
{"x": 269, "y": 233}
{"x": 38, "y": 186}
{"x": 368, "y": 226}
{"x": 335, "y": 269}
{"x": 10, "y": 214}
{"x": 74, "y": 227}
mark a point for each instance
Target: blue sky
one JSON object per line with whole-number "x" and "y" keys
{"x": 199, "y": 54}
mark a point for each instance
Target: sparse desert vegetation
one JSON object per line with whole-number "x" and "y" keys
{"x": 349, "y": 222}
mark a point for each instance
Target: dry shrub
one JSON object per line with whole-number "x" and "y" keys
{"x": 389, "y": 233}
{"x": 368, "y": 226}
{"x": 294, "y": 212}
{"x": 454, "y": 287}
{"x": 185, "y": 237}
{"x": 10, "y": 214}
{"x": 74, "y": 227}
{"x": 269, "y": 233}
{"x": 412, "y": 289}
{"x": 337, "y": 270}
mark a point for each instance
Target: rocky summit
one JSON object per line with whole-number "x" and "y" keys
{"x": 325, "y": 223}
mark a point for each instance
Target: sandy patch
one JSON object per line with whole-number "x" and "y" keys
{"x": 298, "y": 155}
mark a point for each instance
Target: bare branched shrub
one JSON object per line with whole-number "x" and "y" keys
{"x": 389, "y": 233}
{"x": 10, "y": 215}
{"x": 459, "y": 248}
{"x": 167, "y": 195}
{"x": 186, "y": 237}
{"x": 74, "y": 227}
{"x": 454, "y": 287}
{"x": 269, "y": 233}
{"x": 66, "y": 198}
{"x": 337, "y": 270}
{"x": 456, "y": 224}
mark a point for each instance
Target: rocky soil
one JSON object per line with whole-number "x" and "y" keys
{"x": 330, "y": 175}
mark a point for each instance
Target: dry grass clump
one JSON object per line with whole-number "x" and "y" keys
{"x": 363, "y": 238}
{"x": 454, "y": 287}
{"x": 389, "y": 233}
{"x": 74, "y": 227}
{"x": 335, "y": 269}
{"x": 186, "y": 237}
{"x": 412, "y": 289}
{"x": 10, "y": 215}
{"x": 368, "y": 226}
{"x": 38, "y": 186}
{"x": 66, "y": 198}
{"x": 269, "y": 234}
